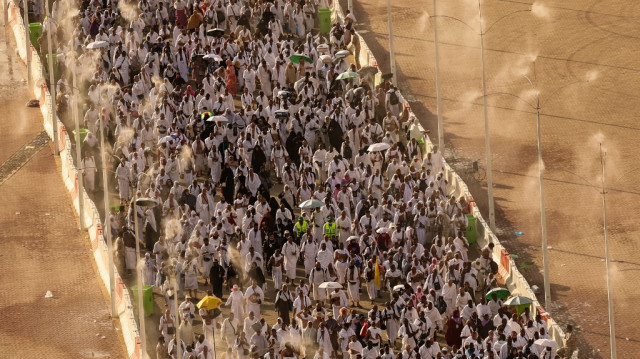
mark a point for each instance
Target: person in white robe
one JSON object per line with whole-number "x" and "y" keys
{"x": 291, "y": 252}
{"x": 237, "y": 301}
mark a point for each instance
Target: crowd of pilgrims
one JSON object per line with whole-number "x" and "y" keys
{"x": 227, "y": 156}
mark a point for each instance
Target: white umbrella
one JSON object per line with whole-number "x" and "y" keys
{"x": 213, "y": 57}
{"x": 146, "y": 202}
{"x": 330, "y": 285}
{"x": 353, "y": 237}
{"x": 342, "y": 53}
{"x": 311, "y": 203}
{"x": 166, "y": 139}
{"x": 380, "y": 146}
{"x": 518, "y": 300}
{"x": 326, "y": 59}
{"x": 398, "y": 287}
{"x": 218, "y": 119}
{"x": 546, "y": 343}
{"x": 97, "y": 45}
{"x": 322, "y": 48}
{"x": 382, "y": 230}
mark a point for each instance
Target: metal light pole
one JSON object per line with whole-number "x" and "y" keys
{"x": 487, "y": 140}
{"x": 52, "y": 80}
{"x": 543, "y": 216}
{"x": 79, "y": 170}
{"x": 176, "y": 318}
{"x": 107, "y": 222}
{"x": 392, "y": 56}
{"x": 143, "y": 336}
{"x": 612, "y": 325}
{"x": 438, "y": 93}
{"x": 25, "y": 3}
{"x": 350, "y": 7}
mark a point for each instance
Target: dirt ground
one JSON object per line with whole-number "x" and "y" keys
{"x": 42, "y": 248}
{"x": 586, "y": 75}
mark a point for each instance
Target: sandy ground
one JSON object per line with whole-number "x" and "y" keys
{"x": 42, "y": 248}
{"x": 586, "y": 46}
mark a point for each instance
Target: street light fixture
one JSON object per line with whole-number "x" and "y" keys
{"x": 487, "y": 140}
{"x": 602, "y": 189}
{"x": 392, "y": 55}
{"x": 543, "y": 221}
{"x": 144, "y": 203}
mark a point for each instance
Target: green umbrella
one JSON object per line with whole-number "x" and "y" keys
{"x": 295, "y": 58}
{"x": 348, "y": 75}
{"x": 501, "y": 293}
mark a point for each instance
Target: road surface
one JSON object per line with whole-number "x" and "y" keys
{"x": 42, "y": 248}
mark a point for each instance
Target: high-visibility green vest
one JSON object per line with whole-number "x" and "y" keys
{"x": 300, "y": 228}
{"x": 330, "y": 229}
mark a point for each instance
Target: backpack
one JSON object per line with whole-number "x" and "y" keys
{"x": 393, "y": 98}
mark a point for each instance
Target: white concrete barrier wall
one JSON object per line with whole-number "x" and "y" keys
{"x": 92, "y": 221}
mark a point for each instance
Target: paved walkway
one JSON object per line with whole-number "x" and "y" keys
{"x": 571, "y": 40}
{"x": 42, "y": 248}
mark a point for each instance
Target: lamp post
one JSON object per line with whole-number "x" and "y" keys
{"x": 107, "y": 221}
{"x": 79, "y": 169}
{"x": 438, "y": 93}
{"x": 27, "y": 41}
{"x": 143, "y": 203}
{"x": 602, "y": 190}
{"x": 487, "y": 139}
{"x": 392, "y": 56}
{"x": 543, "y": 220}
{"x": 612, "y": 322}
{"x": 52, "y": 80}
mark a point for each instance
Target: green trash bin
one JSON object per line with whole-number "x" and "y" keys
{"x": 35, "y": 31}
{"x": 324, "y": 16}
{"x": 471, "y": 229}
{"x": 147, "y": 298}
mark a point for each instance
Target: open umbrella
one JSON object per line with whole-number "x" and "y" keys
{"x": 295, "y": 58}
{"x": 368, "y": 71}
{"x": 214, "y": 57}
{"x": 518, "y": 300}
{"x": 501, "y": 293}
{"x": 342, "y": 53}
{"x": 209, "y": 303}
{"x": 546, "y": 343}
{"x": 382, "y": 230}
{"x": 330, "y": 285}
{"x": 217, "y": 32}
{"x": 146, "y": 202}
{"x": 311, "y": 203}
{"x": 398, "y": 287}
{"x": 380, "y": 146}
{"x": 348, "y": 75}
{"x": 280, "y": 114}
{"x": 166, "y": 139}
{"x": 218, "y": 119}
{"x": 97, "y": 45}
{"x": 352, "y": 238}
{"x": 327, "y": 59}
{"x": 322, "y": 48}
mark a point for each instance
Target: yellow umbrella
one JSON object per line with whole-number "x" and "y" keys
{"x": 209, "y": 303}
